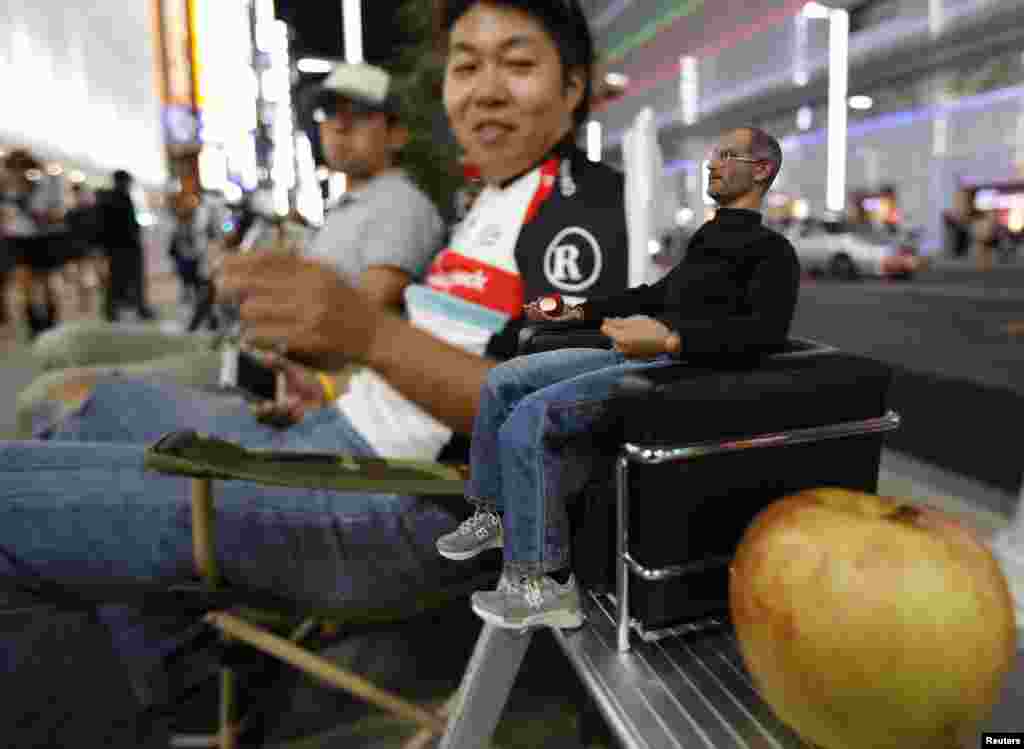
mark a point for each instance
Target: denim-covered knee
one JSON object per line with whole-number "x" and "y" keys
{"x": 521, "y": 429}
{"x": 503, "y": 384}
{"x": 50, "y": 398}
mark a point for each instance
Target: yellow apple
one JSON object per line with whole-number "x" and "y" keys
{"x": 869, "y": 623}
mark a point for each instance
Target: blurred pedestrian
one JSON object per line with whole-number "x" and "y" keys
{"x": 8, "y": 257}
{"x": 957, "y": 224}
{"x": 84, "y": 261}
{"x": 121, "y": 236}
{"x": 33, "y": 212}
{"x": 985, "y": 236}
{"x": 380, "y": 237}
{"x": 198, "y": 222}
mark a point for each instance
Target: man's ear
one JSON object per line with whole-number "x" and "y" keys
{"x": 763, "y": 171}
{"x": 575, "y": 87}
{"x": 398, "y": 137}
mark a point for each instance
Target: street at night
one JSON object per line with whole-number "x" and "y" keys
{"x": 956, "y": 338}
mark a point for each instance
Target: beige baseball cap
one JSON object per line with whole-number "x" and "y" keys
{"x": 366, "y": 85}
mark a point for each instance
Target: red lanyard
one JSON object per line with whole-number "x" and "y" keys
{"x": 548, "y": 175}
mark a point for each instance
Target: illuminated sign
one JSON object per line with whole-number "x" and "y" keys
{"x": 175, "y": 65}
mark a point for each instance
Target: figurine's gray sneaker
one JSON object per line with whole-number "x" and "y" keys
{"x": 474, "y": 535}
{"x": 531, "y": 602}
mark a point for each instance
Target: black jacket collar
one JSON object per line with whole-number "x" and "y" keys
{"x": 738, "y": 217}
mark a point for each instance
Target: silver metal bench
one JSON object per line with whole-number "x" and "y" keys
{"x": 682, "y": 691}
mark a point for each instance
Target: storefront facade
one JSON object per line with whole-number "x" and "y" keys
{"x": 946, "y": 87}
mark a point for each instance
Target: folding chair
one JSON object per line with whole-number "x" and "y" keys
{"x": 206, "y": 460}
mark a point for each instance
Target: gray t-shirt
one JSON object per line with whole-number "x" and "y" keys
{"x": 389, "y": 221}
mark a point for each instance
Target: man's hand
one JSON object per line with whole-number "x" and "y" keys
{"x": 300, "y": 307}
{"x": 638, "y": 337}
{"x": 300, "y": 392}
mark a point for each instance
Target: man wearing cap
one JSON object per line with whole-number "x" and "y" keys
{"x": 379, "y": 236}
{"x": 384, "y": 230}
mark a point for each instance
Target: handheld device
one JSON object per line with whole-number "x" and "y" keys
{"x": 242, "y": 370}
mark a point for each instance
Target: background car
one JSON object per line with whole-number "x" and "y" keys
{"x": 850, "y": 251}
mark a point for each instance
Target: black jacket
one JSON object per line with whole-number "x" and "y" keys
{"x": 584, "y": 218}
{"x": 118, "y": 227}
{"x": 732, "y": 296}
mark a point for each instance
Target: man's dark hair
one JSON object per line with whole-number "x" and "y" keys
{"x": 565, "y": 23}
{"x": 21, "y": 160}
{"x": 765, "y": 146}
{"x": 122, "y": 179}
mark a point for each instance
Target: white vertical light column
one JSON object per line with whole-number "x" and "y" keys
{"x": 804, "y": 118}
{"x": 1018, "y": 155}
{"x": 594, "y": 140}
{"x": 872, "y": 167}
{"x": 277, "y": 93}
{"x": 838, "y": 84}
{"x": 940, "y": 135}
{"x": 800, "y": 75}
{"x": 352, "y": 17}
{"x": 308, "y": 199}
{"x": 689, "y": 88}
{"x": 936, "y": 16}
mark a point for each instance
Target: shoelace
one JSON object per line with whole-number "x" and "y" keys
{"x": 469, "y": 525}
{"x": 528, "y": 587}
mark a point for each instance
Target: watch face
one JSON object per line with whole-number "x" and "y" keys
{"x": 551, "y": 305}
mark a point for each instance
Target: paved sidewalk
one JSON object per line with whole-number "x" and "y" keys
{"x": 904, "y": 476}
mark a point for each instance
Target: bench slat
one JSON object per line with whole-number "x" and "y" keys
{"x": 719, "y": 655}
{"x": 687, "y": 691}
{"x": 685, "y": 707}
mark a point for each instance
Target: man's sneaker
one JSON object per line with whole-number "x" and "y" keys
{"x": 474, "y": 535}
{"x": 531, "y": 602}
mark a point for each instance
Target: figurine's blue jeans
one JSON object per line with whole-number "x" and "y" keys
{"x": 534, "y": 445}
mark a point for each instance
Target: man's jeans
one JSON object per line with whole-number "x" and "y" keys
{"x": 87, "y": 512}
{"x": 125, "y": 409}
{"x": 530, "y": 452}
{"x": 107, "y": 350}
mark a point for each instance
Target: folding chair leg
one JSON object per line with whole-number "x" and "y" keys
{"x": 227, "y": 736}
{"x": 425, "y": 735}
{"x": 203, "y": 551}
{"x": 324, "y": 670}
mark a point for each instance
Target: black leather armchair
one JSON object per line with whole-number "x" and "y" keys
{"x": 697, "y": 453}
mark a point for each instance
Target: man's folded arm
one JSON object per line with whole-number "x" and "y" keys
{"x": 639, "y": 300}
{"x": 385, "y": 284}
{"x": 771, "y": 297}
